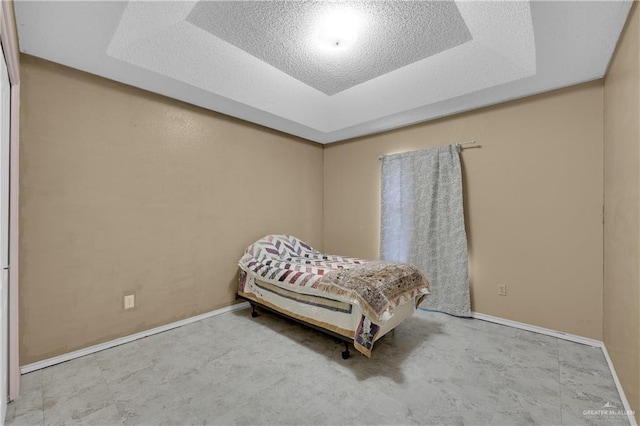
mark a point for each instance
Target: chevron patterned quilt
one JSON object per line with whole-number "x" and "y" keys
{"x": 377, "y": 287}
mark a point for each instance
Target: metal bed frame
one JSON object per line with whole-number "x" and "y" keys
{"x": 254, "y": 313}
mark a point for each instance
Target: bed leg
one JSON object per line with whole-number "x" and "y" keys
{"x": 254, "y": 313}
{"x": 346, "y": 354}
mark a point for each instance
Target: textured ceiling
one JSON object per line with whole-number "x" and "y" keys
{"x": 157, "y": 36}
{"x": 288, "y": 36}
{"x": 272, "y": 63}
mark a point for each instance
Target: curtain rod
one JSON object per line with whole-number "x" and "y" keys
{"x": 459, "y": 145}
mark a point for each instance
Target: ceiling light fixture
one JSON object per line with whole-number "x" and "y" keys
{"x": 338, "y": 30}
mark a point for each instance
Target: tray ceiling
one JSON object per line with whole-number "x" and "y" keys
{"x": 388, "y": 36}
{"x": 330, "y": 70}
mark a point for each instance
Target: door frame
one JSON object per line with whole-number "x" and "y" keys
{"x": 9, "y": 40}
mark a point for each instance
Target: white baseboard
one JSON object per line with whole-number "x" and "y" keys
{"x": 122, "y": 340}
{"x": 539, "y": 330}
{"x": 571, "y": 338}
{"x": 623, "y": 397}
{"x": 535, "y": 329}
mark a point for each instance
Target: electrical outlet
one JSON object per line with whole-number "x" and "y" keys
{"x": 129, "y": 301}
{"x": 502, "y": 290}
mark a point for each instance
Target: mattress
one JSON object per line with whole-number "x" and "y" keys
{"x": 355, "y": 298}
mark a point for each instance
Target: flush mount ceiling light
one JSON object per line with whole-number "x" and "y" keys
{"x": 338, "y": 29}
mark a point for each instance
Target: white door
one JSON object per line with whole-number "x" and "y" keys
{"x": 5, "y": 103}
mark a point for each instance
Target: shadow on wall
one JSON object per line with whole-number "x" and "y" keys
{"x": 233, "y": 283}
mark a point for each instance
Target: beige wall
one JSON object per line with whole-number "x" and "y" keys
{"x": 533, "y": 195}
{"x": 123, "y": 191}
{"x": 622, "y": 210}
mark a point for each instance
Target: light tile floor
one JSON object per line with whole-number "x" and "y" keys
{"x": 234, "y": 369}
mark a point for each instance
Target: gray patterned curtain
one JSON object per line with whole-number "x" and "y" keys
{"x": 423, "y": 223}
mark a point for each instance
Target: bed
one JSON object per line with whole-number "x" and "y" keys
{"x": 356, "y": 300}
